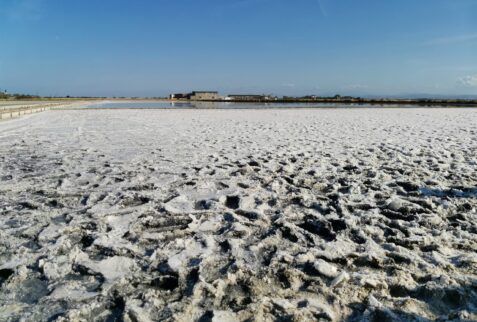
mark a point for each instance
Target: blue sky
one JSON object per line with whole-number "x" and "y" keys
{"x": 291, "y": 47}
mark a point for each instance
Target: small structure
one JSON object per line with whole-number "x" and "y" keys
{"x": 177, "y": 96}
{"x": 203, "y": 96}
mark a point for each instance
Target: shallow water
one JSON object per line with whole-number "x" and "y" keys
{"x": 214, "y": 105}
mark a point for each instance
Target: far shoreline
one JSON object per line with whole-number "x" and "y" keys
{"x": 356, "y": 102}
{"x": 381, "y": 102}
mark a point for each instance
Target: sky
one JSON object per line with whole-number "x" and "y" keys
{"x": 280, "y": 47}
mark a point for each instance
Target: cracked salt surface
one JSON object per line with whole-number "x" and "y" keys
{"x": 239, "y": 215}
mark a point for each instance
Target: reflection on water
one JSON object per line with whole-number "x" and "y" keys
{"x": 210, "y": 105}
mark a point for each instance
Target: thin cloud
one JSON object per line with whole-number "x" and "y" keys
{"x": 289, "y": 85}
{"x": 24, "y": 10}
{"x": 468, "y": 81}
{"x": 356, "y": 86}
{"x": 322, "y": 10}
{"x": 239, "y": 4}
{"x": 453, "y": 39}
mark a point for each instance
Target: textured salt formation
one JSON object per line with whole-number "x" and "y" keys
{"x": 356, "y": 214}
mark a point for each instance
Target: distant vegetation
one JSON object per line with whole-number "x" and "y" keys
{"x": 5, "y": 95}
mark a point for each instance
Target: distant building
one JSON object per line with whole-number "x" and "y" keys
{"x": 177, "y": 96}
{"x": 203, "y": 96}
{"x": 250, "y": 97}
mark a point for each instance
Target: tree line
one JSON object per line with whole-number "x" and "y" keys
{"x": 5, "y": 95}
